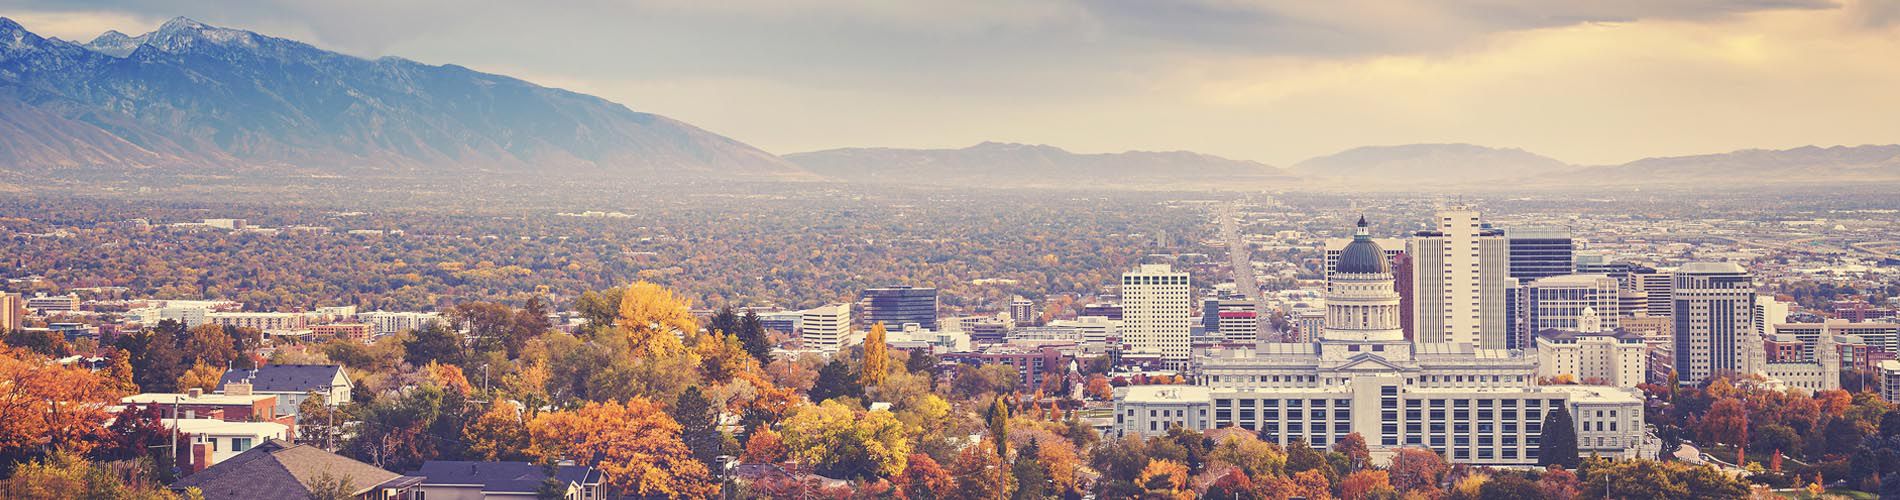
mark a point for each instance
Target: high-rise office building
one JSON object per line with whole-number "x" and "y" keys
{"x": 825, "y": 328}
{"x": 1459, "y": 281}
{"x": 1023, "y": 311}
{"x": 1540, "y": 252}
{"x": 895, "y": 306}
{"x": 1559, "y": 302}
{"x": 1103, "y": 309}
{"x": 1156, "y": 308}
{"x": 1212, "y": 307}
{"x": 1714, "y": 309}
{"x": 1656, "y": 283}
{"x": 12, "y": 311}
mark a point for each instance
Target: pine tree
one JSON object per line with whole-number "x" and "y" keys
{"x": 697, "y": 428}
{"x": 834, "y": 380}
{"x": 1032, "y": 482}
{"x": 1558, "y": 444}
{"x": 999, "y": 426}
{"x": 752, "y": 334}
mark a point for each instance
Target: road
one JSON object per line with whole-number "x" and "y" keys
{"x": 1240, "y": 258}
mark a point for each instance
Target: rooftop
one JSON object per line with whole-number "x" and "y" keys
{"x": 1167, "y": 394}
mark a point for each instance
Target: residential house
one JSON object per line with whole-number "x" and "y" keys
{"x": 280, "y": 469}
{"x": 290, "y": 383}
{"x": 455, "y": 480}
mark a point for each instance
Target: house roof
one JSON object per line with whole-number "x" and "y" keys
{"x": 278, "y": 469}
{"x": 285, "y": 378}
{"x": 501, "y": 477}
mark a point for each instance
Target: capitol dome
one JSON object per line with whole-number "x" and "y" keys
{"x": 1362, "y": 256}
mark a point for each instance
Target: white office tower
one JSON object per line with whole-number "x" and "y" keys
{"x": 1592, "y": 355}
{"x": 1459, "y": 278}
{"x": 1713, "y": 304}
{"x": 1768, "y": 312}
{"x": 1559, "y": 302}
{"x": 825, "y": 328}
{"x": 1471, "y": 405}
{"x": 1156, "y": 309}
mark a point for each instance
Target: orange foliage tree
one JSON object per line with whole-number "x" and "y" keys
{"x": 639, "y": 446}
{"x": 45, "y": 406}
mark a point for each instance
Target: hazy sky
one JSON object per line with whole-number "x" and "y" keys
{"x": 1601, "y": 81}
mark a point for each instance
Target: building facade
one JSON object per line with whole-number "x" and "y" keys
{"x": 825, "y": 328}
{"x": 1540, "y": 252}
{"x": 896, "y": 306}
{"x": 1156, "y": 303}
{"x": 1714, "y": 314}
{"x": 1473, "y": 405}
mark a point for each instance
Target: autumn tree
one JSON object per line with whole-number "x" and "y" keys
{"x": 924, "y": 479}
{"x": 637, "y": 444}
{"x": 998, "y": 423}
{"x": 1254, "y": 457}
{"x": 437, "y": 343}
{"x": 499, "y": 434}
{"x": 201, "y": 376}
{"x": 977, "y": 471}
{"x": 877, "y": 357}
{"x": 1366, "y": 484}
{"x": 118, "y": 372}
{"x": 1165, "y": 479}
{"x": 764, "y": 446}
{"x": 1417, "y": 469}
{"x": 46, "y": 406}
{"x": 1032, "y": 479}
{"x": 653, "y": 319}
{"x": 210, "y": 344}
{"x": 1726, "y": 423}
{"x": 65, "y": 474}
{"x": 841, "y": 441}
{"x": 1353, "y": 446}
{"x": 1557, "y": 444}
{"x": 155, "y": 358}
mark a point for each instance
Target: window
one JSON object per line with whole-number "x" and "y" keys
{"x": 240, "y": 444}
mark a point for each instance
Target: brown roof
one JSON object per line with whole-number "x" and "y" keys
{"x": 278, "y": 469}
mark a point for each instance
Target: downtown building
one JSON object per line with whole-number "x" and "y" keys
{"x": 1156, "y": 306}
{"x": 1461, "y": 282}
{"x": 897, "y": 306}
{"x": 1473, "y": 405}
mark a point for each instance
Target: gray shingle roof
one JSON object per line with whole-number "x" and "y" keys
{"x": 284, "y": 378}
{"x": 278, "y": 469}
{"x": 500, "y": 476}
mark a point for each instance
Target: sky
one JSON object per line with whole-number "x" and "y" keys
{"x": 1277, "y": 81}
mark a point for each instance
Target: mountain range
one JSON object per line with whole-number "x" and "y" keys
{"x": 1032, "y": 165}
{"x": 194, "y": 98}
{"x": 202, "y": 98}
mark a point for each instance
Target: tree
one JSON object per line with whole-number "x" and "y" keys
{"x": 1165, "y": 479}
{"x": 977, "y": 470}
{"x": 210, "y": 344}
{"x": 46, "y": 406}
{"x": 1032, "y": 480}
{"x": 998, "y": 419}
{"x": 1312, "y": 484}
{"x": 924, "y": 479}
{"x": 1098, "y": 388}
{"x": 201, "y": 376}
{"x": 1417, "y": 469}
{"x": 764, "y": 446}
{"x": 1366, "y": 484}
{"x": 841, "y": 441}
{"x": 499, "y": 434}
{"x": 1254, "y": 457}
{"x": 877, "y": 356}
{"x": 1558, "y": 484}
{"x": 638, "y": 447}
{"x": 1558, "y": 441}
{"x": 328, "y": 486}
{"x": 1725, "y": 423}
{"x": 155, "y": 358}
{"x": 1509, "y": 487}
{"x": 139, "y": 433}
{"x": 834, "y": 380}
{"x": 653, "y": 320}
{"x": 402, "y": 430}
{"x": 436, "y": 343}
{"x": 1354, "y": 447}
{"x": 697, "y": 428}
{"x": 65, "y": 474}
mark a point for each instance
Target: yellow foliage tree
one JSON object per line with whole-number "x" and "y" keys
{"x": 838, "y": 439}
{"x": 1165, "y": 479}
{"x": 638, "y": 444}
{"x": 448, "y": 377}
{"x": 201, "y": 376}
{"x": 877, "y": 356}
{"x": 653, "y": 319}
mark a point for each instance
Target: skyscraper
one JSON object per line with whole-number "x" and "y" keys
{"x": 1656, "y": 283}
{"x": 12, "y": 309}
{"x": 1559, "y": 302}
{"x": 1023, "y": 311}
{"x": 1714, "y": 309}
{"x": 1540, "y": 252}
{"x": 825, "y": 328}
{"x": 1459, "y": 278}
{"x": 1155, "y": 312}
{"x": 897, "y": 305}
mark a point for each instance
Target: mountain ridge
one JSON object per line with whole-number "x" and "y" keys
{"x": 1018, "y": 164}
{"x": 193, "y": 95}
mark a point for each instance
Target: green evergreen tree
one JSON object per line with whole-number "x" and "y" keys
{"x": 1032, "y": 482}
{"x": 1558, "y": 444}
{"x": 753, "y": 336}
{"x": 694, "y": 412}
{"x": 834, "y": 380}
{"x": 999, "y": 426}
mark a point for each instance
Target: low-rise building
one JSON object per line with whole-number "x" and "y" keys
{"x": 292, "y": 384}
{"x": 214, "y": 440}
{"x": 281, "y": 469}
{"x": 456, "y": 480}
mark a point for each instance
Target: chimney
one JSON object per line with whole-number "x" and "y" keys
{"x": 194, "y": 393}
{"x": 237, "y": 389}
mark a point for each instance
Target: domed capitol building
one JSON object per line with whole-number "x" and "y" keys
{"x": 1472, "y": 405}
